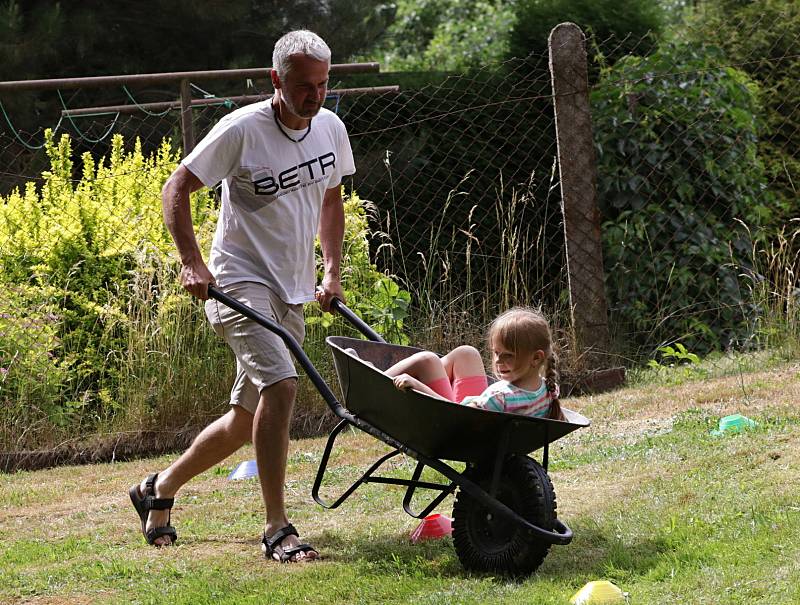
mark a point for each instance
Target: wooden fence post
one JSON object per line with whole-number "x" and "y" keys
{"x": 187, "y": 125}
{"x": 578, "y": 176}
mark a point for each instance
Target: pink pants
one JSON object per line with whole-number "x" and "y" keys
{"x": 461, "y": 387}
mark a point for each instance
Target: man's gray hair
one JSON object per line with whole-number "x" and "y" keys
{"x": 297, "y": 42}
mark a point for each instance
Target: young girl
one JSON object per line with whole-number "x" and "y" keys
{"x": 521, "y": 348}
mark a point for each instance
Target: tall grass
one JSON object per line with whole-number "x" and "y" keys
{"x": 464, "y": 274}
{"x": 774, "y": 284}
{"x": 174, "y": 369}
{"x": 460, "y": 276}
{"x": 29, "y": 379}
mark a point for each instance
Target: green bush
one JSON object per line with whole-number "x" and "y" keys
{"x": 678, "y": 174}
{"x": 763, "y": 39}
{"x": 445, "y": 35}
{"x": 69, "y": 248}
{"x": 95, "y": 329}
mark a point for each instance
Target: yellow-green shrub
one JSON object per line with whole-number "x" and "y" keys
{"x": 69, "y": 248}
{"x": 95, "y": 329}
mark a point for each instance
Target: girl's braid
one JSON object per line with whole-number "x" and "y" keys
{"x": 551, "y": 380}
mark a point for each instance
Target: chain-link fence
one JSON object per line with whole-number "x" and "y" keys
{"x": 692, "y": 165}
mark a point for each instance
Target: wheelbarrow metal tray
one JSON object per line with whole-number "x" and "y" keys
{"x": 431, "y": 426}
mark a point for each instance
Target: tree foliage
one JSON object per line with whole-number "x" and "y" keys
{"x": 678, "y": 169}
{"x": 456, "y": 35}
{"x": 763, "y": 38}
{"x": 627, "y": 26}
{"x": 45, "y": 39}
{"x": 445, "y": 35}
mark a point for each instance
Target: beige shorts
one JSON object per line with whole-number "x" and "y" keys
{"x": 262, "y": 358}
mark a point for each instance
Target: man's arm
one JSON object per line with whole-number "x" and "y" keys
{"x": 176, "y": 207}
{"x": 331, "y": 234}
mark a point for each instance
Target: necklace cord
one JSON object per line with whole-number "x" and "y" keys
{"x": 284, "y": 133}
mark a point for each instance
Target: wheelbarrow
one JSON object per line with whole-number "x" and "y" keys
{"x": 504, "y": 513}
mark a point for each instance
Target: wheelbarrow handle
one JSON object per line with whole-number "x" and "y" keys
{"x": 305, "y": 362}
{"x": 336, "y": 305}
{"x": 359, "y": 324}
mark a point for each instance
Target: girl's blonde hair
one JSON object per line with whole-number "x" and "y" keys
{"x": 523, "y": 330}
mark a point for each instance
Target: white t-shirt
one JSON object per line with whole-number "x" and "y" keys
{"x": 272, "y": 190}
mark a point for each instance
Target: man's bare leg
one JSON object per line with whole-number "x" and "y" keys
{"x": 216, "y": 442}
{"x": 271, "y": 441}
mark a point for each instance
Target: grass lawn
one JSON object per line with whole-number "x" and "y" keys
{"x": 668, "y": 512}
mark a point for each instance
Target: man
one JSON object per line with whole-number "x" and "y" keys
{"x": 281, "y": 163}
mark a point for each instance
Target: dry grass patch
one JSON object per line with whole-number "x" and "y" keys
{"x": 638, "y": 409}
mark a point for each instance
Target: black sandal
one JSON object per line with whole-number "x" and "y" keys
{"x": 272, "y": 545}
{"x": 147, "y": 501}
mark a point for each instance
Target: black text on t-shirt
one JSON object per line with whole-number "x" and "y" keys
{"x": 291, "y": 176}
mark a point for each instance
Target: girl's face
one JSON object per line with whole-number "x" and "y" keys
{"x": 521, "y": 369}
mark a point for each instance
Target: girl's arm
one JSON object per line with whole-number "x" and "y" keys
{"x": 405, "y": 382}
{"x": 487, "y": 401}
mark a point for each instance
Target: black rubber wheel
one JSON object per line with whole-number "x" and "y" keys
{"x": 486, "y": 542}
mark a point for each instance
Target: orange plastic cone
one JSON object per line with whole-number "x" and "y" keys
{"x": 432, "y": 527}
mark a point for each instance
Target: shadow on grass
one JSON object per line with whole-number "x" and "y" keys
{"x": 391, "y": 554}
{"x": 594, "y": 554}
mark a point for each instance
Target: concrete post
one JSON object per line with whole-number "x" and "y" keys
{"x": 578, "y": 177}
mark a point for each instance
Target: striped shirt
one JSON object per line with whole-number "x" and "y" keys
{"x": 502, "y": 396}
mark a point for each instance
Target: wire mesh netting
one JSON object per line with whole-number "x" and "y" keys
{"x": 693, "y": 165}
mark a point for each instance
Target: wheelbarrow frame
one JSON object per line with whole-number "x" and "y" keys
{"x": 561, "y": 533}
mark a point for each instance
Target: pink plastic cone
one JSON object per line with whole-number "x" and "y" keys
{"x": 432, "y": 527}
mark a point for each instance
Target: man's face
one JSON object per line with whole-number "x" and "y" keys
{"x": 304, "y": 87}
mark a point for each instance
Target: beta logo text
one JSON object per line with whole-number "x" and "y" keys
{"x": 317, "y": 168}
